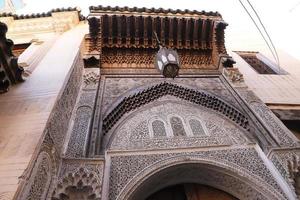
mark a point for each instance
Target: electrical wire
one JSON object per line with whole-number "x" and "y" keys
{"x": 278, "y": 63}
{"x": 273, "y": 54}
{"x": 258, "y": 29}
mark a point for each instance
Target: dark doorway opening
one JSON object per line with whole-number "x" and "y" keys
{"x": 190, "y": 191}
{"x": 293, "y": 126}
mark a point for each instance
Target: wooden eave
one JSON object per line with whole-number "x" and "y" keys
{"x": 192, "y": 33}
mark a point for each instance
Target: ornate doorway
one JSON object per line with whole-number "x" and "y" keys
{"x": 190, "y": 191}
{"x": 199, "y": 179}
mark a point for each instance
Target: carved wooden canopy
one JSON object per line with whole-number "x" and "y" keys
{"x": 118, "y": 33}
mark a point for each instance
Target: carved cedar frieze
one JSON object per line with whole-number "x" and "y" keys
{"x": 127, "y": 37}
{"x": 136, "y": 31}
{"x": 144, "y": 58}
{"x": 220, "y": 37}
{"x": 94, "y": 29}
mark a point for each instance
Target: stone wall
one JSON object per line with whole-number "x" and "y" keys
{"x": 42, "y": 172}
{"x": 246, "y": 175}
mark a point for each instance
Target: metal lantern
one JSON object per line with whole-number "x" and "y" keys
{"x": 167, "y": 61}
{"x": 228, "y": 62}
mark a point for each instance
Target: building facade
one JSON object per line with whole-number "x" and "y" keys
{"x": 107, "y": 125}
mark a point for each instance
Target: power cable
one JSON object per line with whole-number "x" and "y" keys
{"x": 266, "y": 33}
{"x": 258, "y": 29}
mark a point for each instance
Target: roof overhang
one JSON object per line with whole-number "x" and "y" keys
{"x": 200, "y": 35}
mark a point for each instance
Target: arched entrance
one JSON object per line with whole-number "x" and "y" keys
{"x": 183, "y": 170}
{"x": 190, "y": 191}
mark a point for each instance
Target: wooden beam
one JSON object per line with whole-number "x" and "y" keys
{"x": 162, "y": 30}
{"x": 179, "y": 35}
{"x": 171, "y": 32}
{"x": 195, "y": 34}
{"x": 119, "y": 30}
{"x": 187, "y": 33}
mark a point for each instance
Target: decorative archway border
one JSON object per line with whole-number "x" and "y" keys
{"x": 243, "y": 176}
{"x": 155, "y": 92}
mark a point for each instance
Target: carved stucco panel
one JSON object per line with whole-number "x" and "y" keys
{"x": 276, "y": 126}
{"x": 282, "y": 159}
{"x": 79, "y": 134}
{"x": 116, "y": 87}
{"x": 60, "y": 117}
{"x": 283, "y": 136}
{"x": 91, "y": 78}
{"x": 38, "y": 184}
{"x": 244, "y": 162}
{"x": 191, "y": 171}
{"x": 39, "y": 175}
{"x": 135, "y": 130}
{"x": 79, "y": 177}
{"x": 83, "y": 113}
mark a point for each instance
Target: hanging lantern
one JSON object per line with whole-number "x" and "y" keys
{"x": 167, "y": 61}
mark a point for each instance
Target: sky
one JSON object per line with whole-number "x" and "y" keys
{"x": 281, "y": 18}
{"x": 17, "y": 3}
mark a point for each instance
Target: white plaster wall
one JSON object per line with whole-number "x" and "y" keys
{"x": 24, "y": 110}
{"x": 273, "y": 89}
